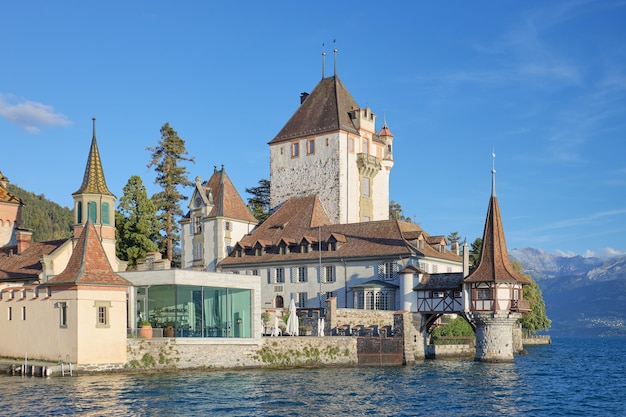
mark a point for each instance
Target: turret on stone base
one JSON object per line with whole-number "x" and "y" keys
{"x": 494, "y": 336}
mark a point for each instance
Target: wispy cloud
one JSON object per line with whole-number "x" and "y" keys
{"x": 30, "y": 115}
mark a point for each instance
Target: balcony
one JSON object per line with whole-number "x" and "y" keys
{"x": 520, "y": 306}
{"x": 368, "y": 165}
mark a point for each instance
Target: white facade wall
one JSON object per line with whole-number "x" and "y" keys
{"x": 40, "y": 336}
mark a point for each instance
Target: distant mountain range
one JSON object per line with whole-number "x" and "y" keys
{"x": 585, "y": 297}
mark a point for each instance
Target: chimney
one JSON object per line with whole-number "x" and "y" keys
{"x": 455, "y": 247}
{"x": 23, "y": 237}
{"x": 465, "y": 259}
{"x": 303, "y": 97}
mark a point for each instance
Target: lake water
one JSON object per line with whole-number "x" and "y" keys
{"x": 571, "y": 377}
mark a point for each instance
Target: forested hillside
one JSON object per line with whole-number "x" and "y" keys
{"x": 47, "y": 220}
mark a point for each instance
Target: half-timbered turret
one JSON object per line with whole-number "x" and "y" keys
{"x": 495, "y": 291}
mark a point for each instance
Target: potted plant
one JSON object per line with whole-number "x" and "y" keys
{"x": 169, "y": 329}
{"x": 306, "y": 330}
{"x": 146, "y": 330}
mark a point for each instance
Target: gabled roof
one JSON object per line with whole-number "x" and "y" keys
{"x": 26, "y": 265}
{"x": 304, "y": 219}
{"x": 494, "y": 264}
{"x": 226, "y": 200}
{"x": 324, "y": 110}
{"x": 376, "y": 283}
{"x": 88, "y": 264}
{"x": 93, "y": 180}
{"x": 446, "y": 281}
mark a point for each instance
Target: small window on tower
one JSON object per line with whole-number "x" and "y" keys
{"x": 311, "y": 146}
{"x": 295, "y": 149}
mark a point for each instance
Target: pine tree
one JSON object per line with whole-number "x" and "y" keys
{"x": 137, "y": 228}
{"x": 170, "y": 176}
{"x": 396, "y": 212}
{"x": 259, "y": 203}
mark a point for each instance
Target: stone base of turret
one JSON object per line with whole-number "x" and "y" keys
{"x": 494, "y": 336}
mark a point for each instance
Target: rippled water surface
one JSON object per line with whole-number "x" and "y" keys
{"x": 572, "y": 377}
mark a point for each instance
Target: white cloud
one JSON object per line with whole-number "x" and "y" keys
{"x": 604, "y": 253}
{"x": 30, "y": 115}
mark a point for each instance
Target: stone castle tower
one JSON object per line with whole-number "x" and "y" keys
{"x": 330, "y": 148}
{"x": 10, "y": 215}
{"x": 93, "y": 201}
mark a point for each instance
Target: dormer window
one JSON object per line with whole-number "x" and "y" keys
{"x": 238, "y": 252}
{"x": 304, "y": 248}
{"x": 332, "y": 246}
{"x": 282, "y": 249}
{"x": 258, "y": 251}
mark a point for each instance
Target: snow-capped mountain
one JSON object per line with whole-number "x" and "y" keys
{"x": 583, "y": 296}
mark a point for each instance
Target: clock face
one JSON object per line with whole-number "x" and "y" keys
{"x": 198, "y": 201}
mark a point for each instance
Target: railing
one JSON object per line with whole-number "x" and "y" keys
{"x": 520, "y": 305}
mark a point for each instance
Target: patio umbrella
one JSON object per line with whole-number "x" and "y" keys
{"x": 292, "y": 322}
{"x": 320, "y": 326}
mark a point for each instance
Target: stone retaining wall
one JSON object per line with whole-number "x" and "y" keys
{"x": 271, "y": 352}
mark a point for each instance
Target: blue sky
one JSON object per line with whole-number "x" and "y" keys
{"x": 542, "y": 83}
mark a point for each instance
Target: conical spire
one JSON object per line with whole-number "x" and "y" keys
{"x": 93, "y": 181}
{"x": 494, "y": 265}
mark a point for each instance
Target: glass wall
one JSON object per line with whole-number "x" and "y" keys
{"x": 194, "y": 311}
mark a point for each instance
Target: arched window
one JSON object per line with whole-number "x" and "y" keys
{"x": 105, "y": 213}
{"x": 92, "y": 211}
{"x": 279, "y": 302}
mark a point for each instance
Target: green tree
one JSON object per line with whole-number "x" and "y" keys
{"x": 396, "y": 213}
{"x": 537, "y": 319}
{"x": 166, "y": 158}
{"x": 458, "y": 327}
{"x": 136, "y": 225}
{"x": 453, "y": 237}
{"x": 474, "y": 255}
{"x": 259, "y": 203}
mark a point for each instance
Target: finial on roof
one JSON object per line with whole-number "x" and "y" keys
{"x": 323, "y": 61}
{"x": 222, "y": 167}
{"x": 493, "y": 173}
{"x": 335, "y": 58}
{"x": 94, "y": 126}
{"x": 214, "y": 169}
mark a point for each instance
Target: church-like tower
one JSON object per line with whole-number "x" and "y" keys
{"x": 93, "y": 201}
{"x": 330, "y": 148}
{"x": 494, "y": 290}
{"x": 10, "y": 214}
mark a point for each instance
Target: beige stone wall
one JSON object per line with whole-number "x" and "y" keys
{"x": 39, "y": 335}
{"x": 272, "y": 352}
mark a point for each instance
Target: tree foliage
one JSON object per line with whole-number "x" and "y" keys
{"x": 453, "y": 237}
{"x": 474, "y": 255}
{"x": 137, "y": 228}
{"x": 46, "y": 220}
{"x": 259, "y": 203}
{"x": 396, "y": 212}
{"x": 537, "y": 319}
{"x": 166, "y": 158}
{"x": 458, "y": 327}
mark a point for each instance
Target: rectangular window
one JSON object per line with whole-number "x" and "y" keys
{"x": 197, "y": 229}
{"x": 365, "y": 146}
{"x": 311, "y": 146}
{"x": 300, "y": 299}
{"x": 302, "y": 274}
{"x": 227, "y": 226}
{"x": 102, "y": 313}
{"x": 484, "y": 294}
{"x": 351, "y": 145}
{"x": 255, "y": 272}
{"x": 23, "y": 312}
{"x": 435, "y": 268}
{"x": 10, "y": 313}
{"x": 329, "y": 273}
{"x": 387, "y": 271}
{"x": 63, "y": 314}
{"x": 197, "y": 250}
{"x": 279, "y": 277}
{"x": 365, "y": 187}
{"x": 295, "y": 149}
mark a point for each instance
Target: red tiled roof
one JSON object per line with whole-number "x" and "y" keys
{"x": 26, "y": 265}
{"x": 304, "y": 217}
{"x": 494, "y": 265}
{"x": 325, "y": 109}
{"x": 88, "y": 264}
{"x": 228, "y": 202}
